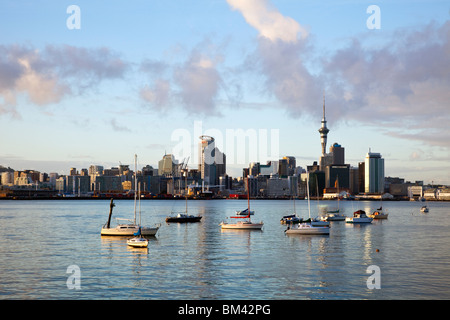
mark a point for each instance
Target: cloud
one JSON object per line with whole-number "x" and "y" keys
{"x": 47, "y": 76}
{"x": 198, "y": 80}
{"x": 193, "y": 84}
{"x": 280, "y": 56}
{"x": 270, "y": 23}
{"x": 402, "y": 85}
{"x": 118, "y": 127}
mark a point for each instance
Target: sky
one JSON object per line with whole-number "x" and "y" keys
{"x": 112, "y": 79}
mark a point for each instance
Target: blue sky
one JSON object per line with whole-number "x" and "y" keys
{"x": 137, "y": 72}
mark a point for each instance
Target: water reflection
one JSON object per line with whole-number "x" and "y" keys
{"x": 202, "y": 261}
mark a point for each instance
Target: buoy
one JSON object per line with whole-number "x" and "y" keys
{"x": 377, "y": 250}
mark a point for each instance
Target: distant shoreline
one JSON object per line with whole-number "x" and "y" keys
{"x": 180, "y": 198}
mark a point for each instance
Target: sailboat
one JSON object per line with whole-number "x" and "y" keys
{"x": 308, "y": 228}
{"x": 184, "y": 217}
{"x": 335, "y": 215}
{"x": 243, "y": 224}
{"x": 244, "y": 212}
{"x": 127, "y": 229}
{"x": 292, "y": 218}
{"x": 138, "y": 241}
{"x": 319, "y": 221}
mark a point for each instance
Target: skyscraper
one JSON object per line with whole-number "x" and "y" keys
{"x": 206, "y": 159}
{"x": 167, "y": 165}
{"x": 212, "y": 162}
{"x": 374, "y": 173}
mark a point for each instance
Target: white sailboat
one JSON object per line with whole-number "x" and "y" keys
{"x": 138, "y": 241}
{"x": 318, "y": 221}
{"x": 336, "y": 215}
{"x": 127, "y": 229}
{"x": 308, "y": 228}
{"x": 243, "y": 224}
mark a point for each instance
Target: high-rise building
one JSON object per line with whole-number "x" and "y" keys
{"x": 374, "y": 173}
{"x": 337, "y": 153}
{"x": 212, "y": 162}
{"x": 168, "y": 165}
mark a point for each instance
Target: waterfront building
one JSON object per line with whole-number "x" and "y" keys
{"x": 52, "y": 176}
{"x": 271, "y": 167}
{"x": 337, "y": 154}
{"x": 77, "y": 185}
{"x": 212, "y": 162}
{"x": 373, "y": 173}
{"x": 60, "y": 184}
{"x": 7, "y": 178}
{"x": 95, "y": 170}
{"x": 283, "y": 168}
{"x": 206, "y": 159}
{"x": 108, "y": 183}
{"x": 337, "y": 174}
{"x": 168, "y": 165}
{"x": 277, "y": 187}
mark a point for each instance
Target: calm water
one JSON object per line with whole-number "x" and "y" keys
{"x": 40, "y": 239}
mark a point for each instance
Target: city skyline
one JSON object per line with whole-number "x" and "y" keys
{"x": 135, "y": 73}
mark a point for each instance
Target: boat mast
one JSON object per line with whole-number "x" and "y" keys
{"x": 186, "y": 188}
{"x": 307, "y": 188}
{"x": 139, "y": 194}
{"x": 135, "y": 185}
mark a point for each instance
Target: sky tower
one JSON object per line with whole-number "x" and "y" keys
{"x": 323, "y": 130}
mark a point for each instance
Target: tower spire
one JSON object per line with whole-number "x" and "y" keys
{"x": 324, "y": 104}
{"x": 323, "y": 129}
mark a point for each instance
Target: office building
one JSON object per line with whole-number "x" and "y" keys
{"x": 167, "y": 166}
{"x": 373, "y": 173}
{"x": 212, "y": 162}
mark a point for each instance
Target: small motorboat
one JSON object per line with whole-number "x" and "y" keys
{"x": 424, "y": 209}
{"x": 359, "y": 217}
{"x": 379, "y": 214}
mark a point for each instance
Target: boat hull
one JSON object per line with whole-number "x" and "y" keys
{"x": 320, "y": 223}
{"x": 242, "y": 226}
{"x": 378, "y": 216}
{"x": 359, "y": 220}
{"x": 128, "y": 231}
{"x": 309, "y": 231}
{"x": 183, "y": 219}
{"x": 332, "y": 217}
{"x": 138, "y": 243}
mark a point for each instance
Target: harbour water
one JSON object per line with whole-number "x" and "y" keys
{"x": 39, "y": 240}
